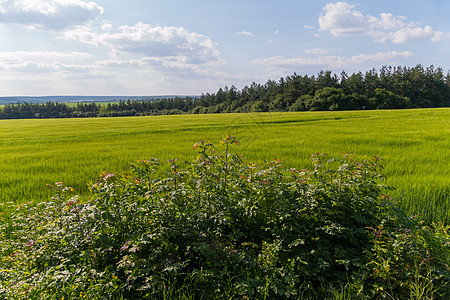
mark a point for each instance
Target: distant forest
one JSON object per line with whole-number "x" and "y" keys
{"x": 390, "y": 88}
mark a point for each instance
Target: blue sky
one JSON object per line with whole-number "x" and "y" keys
{"x": 148, "y": 47}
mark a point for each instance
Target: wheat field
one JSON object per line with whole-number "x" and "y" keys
{"x": 414, "y": 145}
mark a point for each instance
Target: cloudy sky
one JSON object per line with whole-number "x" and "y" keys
{"x": 157, "y": 47}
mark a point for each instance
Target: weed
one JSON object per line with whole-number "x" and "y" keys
{"x": 221, "y": 227}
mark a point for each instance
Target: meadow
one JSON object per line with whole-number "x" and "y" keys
{"x": 414, "y": 145}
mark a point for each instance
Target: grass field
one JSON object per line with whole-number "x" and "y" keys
{"x": 413, "y": 143}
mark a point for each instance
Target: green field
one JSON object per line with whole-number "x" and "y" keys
{"x": 413, "y": 143}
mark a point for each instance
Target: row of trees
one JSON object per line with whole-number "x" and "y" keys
{"x": 390, "y": 88}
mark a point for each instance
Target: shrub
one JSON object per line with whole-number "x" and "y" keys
{"x": 221, "y": 227}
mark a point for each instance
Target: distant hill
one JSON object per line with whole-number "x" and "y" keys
{"x": 78, "y": 99}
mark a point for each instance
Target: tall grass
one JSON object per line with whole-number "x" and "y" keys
{"x": 413, "y": 143}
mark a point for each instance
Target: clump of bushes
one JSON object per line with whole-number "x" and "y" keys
{"x": 222, "y": 228}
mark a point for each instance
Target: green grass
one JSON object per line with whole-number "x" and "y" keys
{"x": 413, "y": 143}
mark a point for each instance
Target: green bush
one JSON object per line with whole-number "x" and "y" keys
{"x": 220, "y": 227}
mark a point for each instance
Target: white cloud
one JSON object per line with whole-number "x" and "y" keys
{"x": 83, "y": 34}
{"x": 318, "y": 51}
{"x": 133, "y": 63}
{"x": 341, "y": 19}
{"x": 246, "y": 33}
{"x": 331, "y": 61}
{"x": 167, "y": 43}
{"x": 308, "y": 27}
{"x": 440, "y": 36}
{"x": 50, "y": 55}
{"x": 408, "y": 34}
{"x": 163, "y": 42}
{"x": 35, "y": 67}
{"x": 106, "y": 26}
{"x": 389, "y": 22}
{"x": 380, "y": 56}
{"x": 43, "y": 61}
{"x": 48, "y": 14}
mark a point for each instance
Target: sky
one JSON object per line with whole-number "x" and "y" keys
{"x": 180, "y": 47}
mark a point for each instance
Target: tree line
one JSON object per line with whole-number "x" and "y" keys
{"x": 388, "y": 88}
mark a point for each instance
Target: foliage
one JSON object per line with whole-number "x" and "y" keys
{"x": 391, "y": 88}
{"x": 221, "y": 227}
{"x": 414, "y": 143}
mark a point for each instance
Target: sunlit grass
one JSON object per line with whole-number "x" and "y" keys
{"x": 413, "y": 143}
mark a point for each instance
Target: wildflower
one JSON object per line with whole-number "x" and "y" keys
{"x": 71, "y": 202}
{"x": 134, "y": 249}
{"x": 30, "y": 243}
{"x": 125, "y": 246}
{"x": 108, "y": 175}
{"x": 378, "y": 234}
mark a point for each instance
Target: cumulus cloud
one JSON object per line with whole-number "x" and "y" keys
{"x": 318, "y": 51}
{"x": 106, "y": 26}
{"x": 380, "y": 56}
{"x": 246, "y": 33}
{"x": 404, "y": 35}
{"x": 46, "y": 55}
{"x": 48, "y": 14}
{"x": 167, "y": 43}
{"x": 440, "y": 36}
{"x": 341, "y": 19}
{"x": 43, "y": 61}
{"x": 331, "y": 61}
